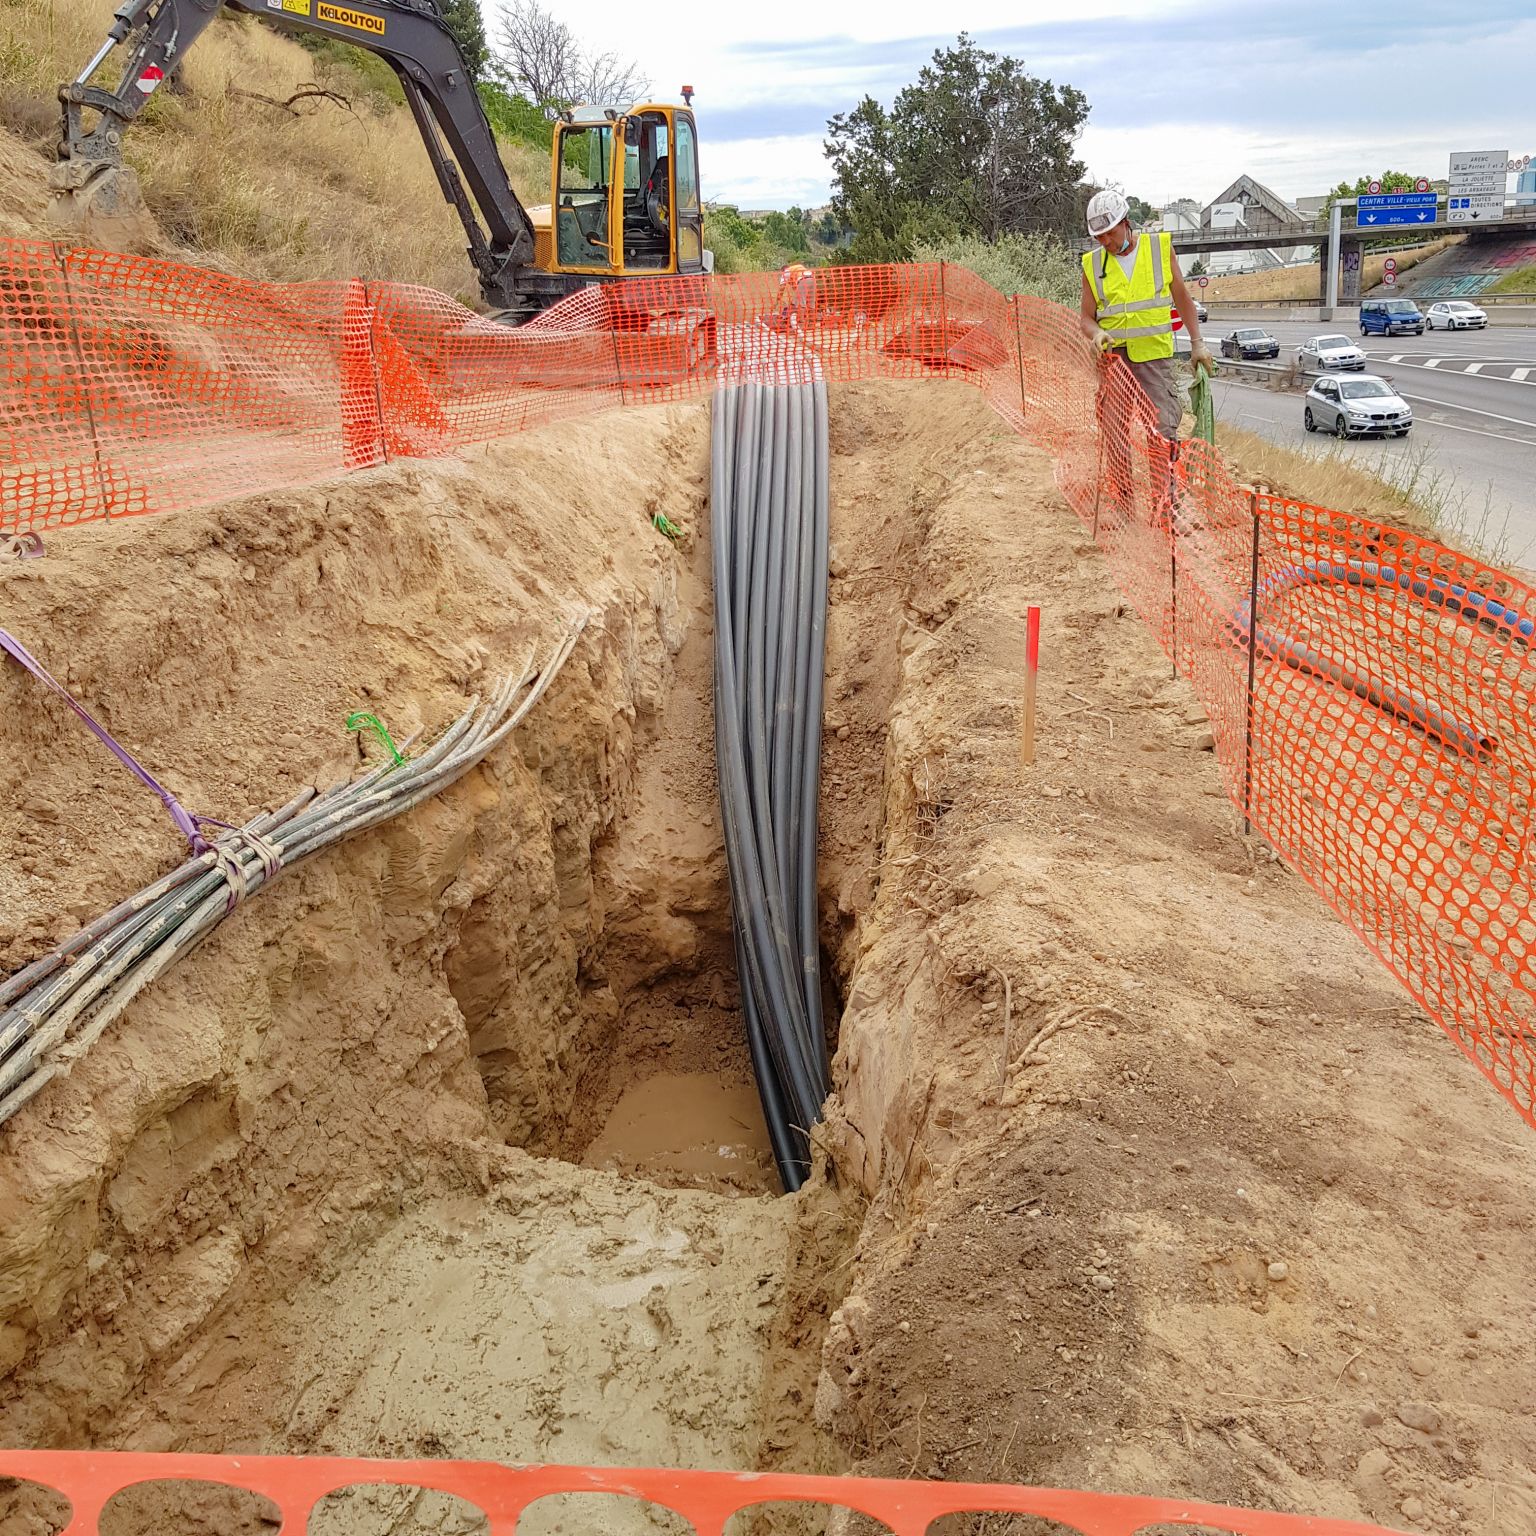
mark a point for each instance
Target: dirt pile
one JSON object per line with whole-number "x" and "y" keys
{"x": 23, "y": 190}
{"x": 1163, "y": 1185}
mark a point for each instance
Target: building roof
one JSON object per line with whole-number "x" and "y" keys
{"x": 1256, "y": 195}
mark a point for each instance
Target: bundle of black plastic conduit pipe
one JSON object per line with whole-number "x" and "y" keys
{"x": 769, "y": 525}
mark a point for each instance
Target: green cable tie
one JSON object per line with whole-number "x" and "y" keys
{"x": 664, "y": 525}
{"x": 363, "y": 721}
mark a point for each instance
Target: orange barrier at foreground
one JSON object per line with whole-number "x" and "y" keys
{"x": 1370, "y": 692}
{"x": 296, "y": 1484}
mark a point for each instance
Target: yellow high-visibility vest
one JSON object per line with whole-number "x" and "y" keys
{"x": 1137, "y": 311}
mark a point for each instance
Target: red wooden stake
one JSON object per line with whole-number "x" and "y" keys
{"x": 1031, "y": 677}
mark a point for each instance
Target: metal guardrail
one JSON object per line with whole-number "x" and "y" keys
{"x": 1269, "y": 374}
{"x": 1263, "y": 370}
{"x": 1483, "y": 301}
{"x": 1214, "y": 304}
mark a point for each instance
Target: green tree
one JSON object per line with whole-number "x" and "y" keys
{"x": 787, "y": 230}
{"x": 463, "y": 19}
{"x": 741, "y": 232}
{"x": 975, "y": 146}
{"x": 514, "y": 117}
{"x": 1391, "y": 181}
{"x": 1035, "y": 264}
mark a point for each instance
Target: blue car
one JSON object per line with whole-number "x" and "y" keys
{"x": 1390, "y": 317}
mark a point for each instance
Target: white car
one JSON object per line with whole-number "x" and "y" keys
{"x": 1455, "y": 315}
{"x": 1324, "y": 353}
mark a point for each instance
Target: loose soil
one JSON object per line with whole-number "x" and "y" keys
{"x": 1140, "y": 1173}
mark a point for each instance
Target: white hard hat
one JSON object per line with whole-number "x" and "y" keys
{"x": 1105, "y": 210}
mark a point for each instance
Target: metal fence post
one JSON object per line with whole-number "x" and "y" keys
{"x": 1018, "y": 342}
{"x": 944, "y": 318}
{"x": 87, "y": 389}
{"x": 1253, "y": 641}
{"x": 618, "y": 364}
{"x": 1173, "y": 561}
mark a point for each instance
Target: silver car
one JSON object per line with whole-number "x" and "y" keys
{"x": 1324, "y": 353}
{"x": 1356, "y": 407}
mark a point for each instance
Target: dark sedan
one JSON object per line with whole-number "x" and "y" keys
{"x": 1250, "y": 343}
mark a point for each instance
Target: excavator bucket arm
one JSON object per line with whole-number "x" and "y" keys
{"x": 97, "y": 194}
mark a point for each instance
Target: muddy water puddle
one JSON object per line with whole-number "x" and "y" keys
{"x": 690, "y": 1129}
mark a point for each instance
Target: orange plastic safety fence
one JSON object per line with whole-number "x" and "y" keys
{"x": 1370, "y": 693}
{"x": 296, "y": 1484}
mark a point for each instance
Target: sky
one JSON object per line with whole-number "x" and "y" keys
{"x": 1185, "y": 95}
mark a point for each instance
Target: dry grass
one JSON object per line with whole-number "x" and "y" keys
{"x": 1521, "y": 280}
{"x": 336, "y": 192}
{"x": 1324, "y": 481}
{"x": 1301, "y": 283}
{"x": 1416, "y": 496}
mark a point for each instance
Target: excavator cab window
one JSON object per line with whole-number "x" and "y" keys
{"x": 689, "y": 213}
{"x": 581, "y": 214}
{"x": 647, "y": 193}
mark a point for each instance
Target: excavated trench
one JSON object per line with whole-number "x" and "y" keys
{"x": 447, "y": 1146}
{"x": 443, "y": 1146}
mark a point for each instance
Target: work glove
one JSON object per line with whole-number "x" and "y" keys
{"x": 1200, "y": 357}
{"x": 1102, "y": 341}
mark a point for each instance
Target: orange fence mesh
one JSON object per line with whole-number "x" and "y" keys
{"x": 707, "y": 1500}
{"x": 1370, "y": 692}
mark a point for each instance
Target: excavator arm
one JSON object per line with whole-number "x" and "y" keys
{"x": 409, "y": 35}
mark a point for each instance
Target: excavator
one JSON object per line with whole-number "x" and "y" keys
{"x": 624, "y": 196}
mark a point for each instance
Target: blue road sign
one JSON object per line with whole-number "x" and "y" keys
{"x": 1395, "y": 208}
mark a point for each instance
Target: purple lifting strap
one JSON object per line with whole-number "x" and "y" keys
{"x": 184, "y": 820}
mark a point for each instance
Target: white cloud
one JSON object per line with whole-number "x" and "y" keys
{"x": 789, "y": 66}
{"x": 765, "y": 173}
{"x": 710, "y": 46}
{"x": 1162, "y": 161}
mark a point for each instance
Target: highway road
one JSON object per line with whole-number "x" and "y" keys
{"x": 1474, "y": 400}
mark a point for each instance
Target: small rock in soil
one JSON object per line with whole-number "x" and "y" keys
{"x": 1373, "y": 1463}
{"x": 1420, "y": 1416}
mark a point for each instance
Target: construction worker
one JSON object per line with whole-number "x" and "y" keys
{"x": 797, "y": 284}
{"x": 1131, "y": 286}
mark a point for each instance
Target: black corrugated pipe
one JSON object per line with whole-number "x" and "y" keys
{"x": 769, "y": 500}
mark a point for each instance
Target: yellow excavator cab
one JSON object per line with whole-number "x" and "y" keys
{"x": 624, "y": 195}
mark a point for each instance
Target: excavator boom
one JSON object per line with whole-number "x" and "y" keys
{"x": 92, "y": 184}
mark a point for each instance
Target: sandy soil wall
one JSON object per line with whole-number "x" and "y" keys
{"x": 386, "y": 1014}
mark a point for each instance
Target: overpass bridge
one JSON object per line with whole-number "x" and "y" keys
{"x": 1339, "y": 243}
